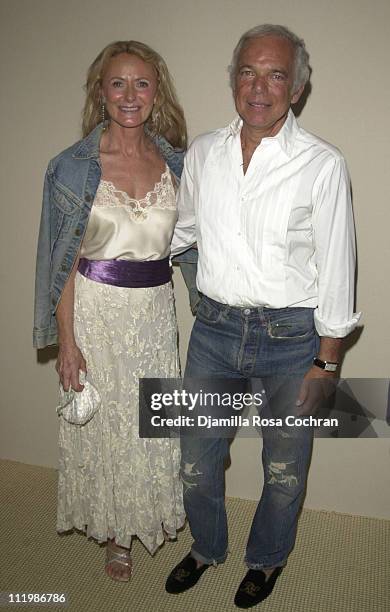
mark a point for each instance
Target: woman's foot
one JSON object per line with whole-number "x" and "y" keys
{"x": 118, "y": 565}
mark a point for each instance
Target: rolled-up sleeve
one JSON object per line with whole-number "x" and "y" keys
{"x": 335, "y": 251}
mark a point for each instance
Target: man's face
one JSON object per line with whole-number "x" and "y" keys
{"x": 264, "y": 84}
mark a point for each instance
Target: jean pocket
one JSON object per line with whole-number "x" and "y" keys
{"x": 296, "y": 324}
{"x": 209, "y": 313}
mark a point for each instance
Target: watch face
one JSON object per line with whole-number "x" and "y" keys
{"x": 330, "y": 367}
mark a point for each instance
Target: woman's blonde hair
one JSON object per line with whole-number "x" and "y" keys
{"x": 167, "y": 118}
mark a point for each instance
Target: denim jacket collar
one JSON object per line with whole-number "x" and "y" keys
{"x": 89, "y": 146}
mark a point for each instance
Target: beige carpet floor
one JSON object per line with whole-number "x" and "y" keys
{"x": 340, "y": 563}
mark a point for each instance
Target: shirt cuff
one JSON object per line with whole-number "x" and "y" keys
{"x": 338, "y": 330}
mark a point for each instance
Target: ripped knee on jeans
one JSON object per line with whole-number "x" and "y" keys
{"x": 188, "y": 476}
{"x": 282, "y": 473}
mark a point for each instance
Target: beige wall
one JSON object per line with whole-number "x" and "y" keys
{"x": 46, "y": 46}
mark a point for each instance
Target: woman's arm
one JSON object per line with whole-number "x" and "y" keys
{"x": 70, "y": 359}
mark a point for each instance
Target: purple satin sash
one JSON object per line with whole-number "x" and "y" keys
{"x": 124, "y": 273}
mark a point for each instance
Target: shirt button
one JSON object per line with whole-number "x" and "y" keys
{"x": 88, "y": 197}
{"x": 77, "y": 232}
{"x": 64, "y": 267}
{"x": 247, "y": 311}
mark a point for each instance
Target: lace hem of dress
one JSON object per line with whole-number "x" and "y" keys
{"x": 161, "y": 196}
{"x": 151, "y": 541}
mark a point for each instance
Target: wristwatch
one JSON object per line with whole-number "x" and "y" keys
{"x": 328, "y": 366}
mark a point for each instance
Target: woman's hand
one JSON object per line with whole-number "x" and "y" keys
{"x": 69, "y": 361}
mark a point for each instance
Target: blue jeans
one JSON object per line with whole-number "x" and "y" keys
{"x": 278, "y": 346}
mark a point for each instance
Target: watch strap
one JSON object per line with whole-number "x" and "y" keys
{"x": 328, "y": 366}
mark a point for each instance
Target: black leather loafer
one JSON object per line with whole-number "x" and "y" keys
{"x": 255, "y": 588}
{"x": 185, "y": 575}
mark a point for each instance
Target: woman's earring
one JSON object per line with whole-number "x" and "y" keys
{"x": 103, "y": 110}
{"x": 155, "y": 117}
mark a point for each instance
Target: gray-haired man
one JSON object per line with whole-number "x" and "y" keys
{"x": 269, "y": 207}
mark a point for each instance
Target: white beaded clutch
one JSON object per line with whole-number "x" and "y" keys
{"x": 78, "y": 407}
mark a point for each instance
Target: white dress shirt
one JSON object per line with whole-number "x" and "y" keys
{"x": 282, "y": 234}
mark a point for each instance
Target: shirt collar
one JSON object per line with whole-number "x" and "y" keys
{"x": 285, "y": 137}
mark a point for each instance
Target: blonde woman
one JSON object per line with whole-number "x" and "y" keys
{"x": 104, "y": 294}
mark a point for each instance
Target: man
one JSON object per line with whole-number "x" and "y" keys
{"x": 269, "y": 207}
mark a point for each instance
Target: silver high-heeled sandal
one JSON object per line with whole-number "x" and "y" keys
{"x": 122, "y": 558}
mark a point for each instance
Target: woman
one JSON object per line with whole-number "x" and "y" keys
{"x": 103, "y": 291}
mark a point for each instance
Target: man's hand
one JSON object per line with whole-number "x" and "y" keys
{"x": 69, "y": 361}
{"x": 316, "y": 387}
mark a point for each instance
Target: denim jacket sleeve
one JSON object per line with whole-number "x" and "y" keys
{"x": 45, "y": 327}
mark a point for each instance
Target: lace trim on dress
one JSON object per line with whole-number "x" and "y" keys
{"x": 161, "y": 196}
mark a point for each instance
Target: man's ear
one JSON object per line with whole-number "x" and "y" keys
{"x": 295, "y": 97}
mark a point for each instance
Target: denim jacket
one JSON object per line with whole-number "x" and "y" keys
{"x": 71, "y": 182}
